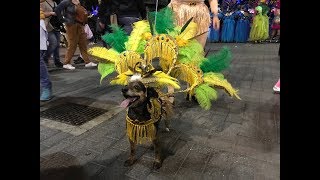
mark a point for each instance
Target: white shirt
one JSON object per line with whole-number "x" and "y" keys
{"x": 43, "y": 35}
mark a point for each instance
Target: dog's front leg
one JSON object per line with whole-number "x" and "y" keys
{"x": 131, "y": 159}
{"x": 157, "y": 161}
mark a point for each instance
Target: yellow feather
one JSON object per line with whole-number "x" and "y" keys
{"x": 188, "y": 74}
{"x": 189, "y": 32}
{"x": 121, "y": 79}
{"x": 103, "y": 54}
{"x": 164, "y": 80}
{"x": 137, "y": 34}
{"x": 214, "y": 80}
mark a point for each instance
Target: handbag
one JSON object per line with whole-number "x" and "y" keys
{"x": 88, "y": 31}
{"x": 55, "y": 22}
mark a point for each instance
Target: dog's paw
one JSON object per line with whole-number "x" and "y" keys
{"x": 157, "y": 165}
{"x": 129, "y": 162}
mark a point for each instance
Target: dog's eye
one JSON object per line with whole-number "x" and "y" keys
{"x": 136, "y": 87}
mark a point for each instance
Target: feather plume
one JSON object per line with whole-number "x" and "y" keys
{"x": 192, "y": 53}
{"x": 122, "y": 79}
{"x": 215, "y": 80}
{"x": 165, "y": 20}
{"x": 117, "y": 38}
{"x": 103, "y": 54}
{"x": 204, "y": 95}
{"x": 162, "y": 79}
{"x": 217, "y": 62}
{"x": 105, "y": 69}
{"x": 189, "y": 32}
{"x": 136, "y": 36}
{"x": 187, "y": 74}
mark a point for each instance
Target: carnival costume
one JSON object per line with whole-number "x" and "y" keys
{"x": 181, "y": 58}
{"x": 242, "y": 27}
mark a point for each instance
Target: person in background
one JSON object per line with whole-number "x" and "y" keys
{"x": 48, "y": 7}
{"x": 75, "y": 17}
{"x": 185, "y": 9}
{"x": 46, "y": 85}
{"x": 129, "y": 12}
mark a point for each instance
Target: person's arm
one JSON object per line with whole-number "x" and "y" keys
{"x": 60, "y": 8}
{"x": 214, "y": 10}
{"x": 46, "y": 12}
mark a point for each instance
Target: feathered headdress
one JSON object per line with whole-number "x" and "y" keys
{"x": 169, "y": 54}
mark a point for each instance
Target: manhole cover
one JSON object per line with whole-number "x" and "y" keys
{"x": 73, "y": 114}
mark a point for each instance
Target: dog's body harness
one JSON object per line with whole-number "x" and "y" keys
{"x": 141, "y": 132}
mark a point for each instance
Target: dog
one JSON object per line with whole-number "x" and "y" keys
{"x": 139, "y": 100}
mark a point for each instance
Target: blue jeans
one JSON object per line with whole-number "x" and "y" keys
{"x": 54, "y": 45}
{"x": 126, "y": 23}
{"x": 44, "y": 75}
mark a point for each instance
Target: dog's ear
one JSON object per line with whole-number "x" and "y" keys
{"x": 151, "y": 92}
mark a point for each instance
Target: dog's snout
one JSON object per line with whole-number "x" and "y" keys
{"x": 125, "y": 89}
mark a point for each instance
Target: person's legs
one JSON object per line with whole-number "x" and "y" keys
{"x": 46, "y": 85}
{"x": 72, "y": 38}
{"x": 51, "y": 47}
{"x": 83, "y": 44}
{"x": 202, "y": 39}
{"x": 56, "y": 51}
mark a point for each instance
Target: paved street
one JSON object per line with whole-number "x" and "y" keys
{"x": 234, "y": 140}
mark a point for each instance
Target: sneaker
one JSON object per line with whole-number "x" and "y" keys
{"x": 91, "y": 64}
{"x": 68, "y": 66}
{"x": 46, "y": 94}
{"x": 276, "y": 89}
{"x": 59, "y": 64}
{"x": 79, "y": 60}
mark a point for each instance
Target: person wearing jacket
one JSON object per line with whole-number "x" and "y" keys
{"x": 129, "y": 12}
{"x": 46, "y": 85}
{"x": 71, "y": 9}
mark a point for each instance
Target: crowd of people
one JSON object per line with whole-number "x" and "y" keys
{"x": 243, "y": 21}
{"x": 231, "y": 21}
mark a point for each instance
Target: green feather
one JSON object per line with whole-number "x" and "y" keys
{"x": 116, "y": 39}
{"x": 217, "y": 62}
{"x": 204, "y": 95}
{"x": 141, "y": 46}
{"x": 165, "y": 20}
{"x": 105, "y": 69}
{"x": 191, "y": 53}
{"x": 151, "y": 24}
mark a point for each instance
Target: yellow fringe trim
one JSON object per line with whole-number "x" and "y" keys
{"x": 140, "y": 133}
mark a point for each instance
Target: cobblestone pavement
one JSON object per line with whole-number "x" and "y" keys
{"x": 234, "y": 140}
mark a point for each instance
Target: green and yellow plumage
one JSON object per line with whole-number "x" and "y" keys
{"x": 105, "y": 69}
{"x": 215, "y": 80}
{"x": 136, "y": 40}
{"x": 103, "y": 54}
{"x": 204, "y": 95}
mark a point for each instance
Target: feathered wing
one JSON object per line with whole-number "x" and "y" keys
{"x": 136, "y": 39}
{"x": 217, "y": 62}
{"x": 191, "y": 53}
{"x": 122, "y": 79}
{"x": 105, "y": 69}
{"x": 103, "y": 54}
{"x": 188, "y": 74}
{"x": 163, "y": 80}
{"x": 215, "y": 80}
{"x": 116, "y": 39}
{"x": 204, "y": 95}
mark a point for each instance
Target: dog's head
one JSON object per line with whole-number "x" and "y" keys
{"x": 135, "y": 94}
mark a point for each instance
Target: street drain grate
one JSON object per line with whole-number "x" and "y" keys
{"x": 73, "y": 114}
